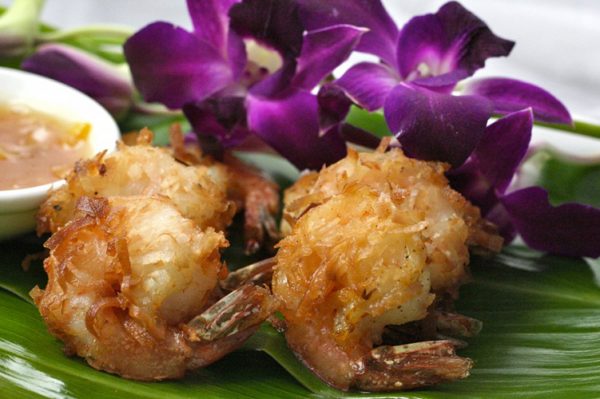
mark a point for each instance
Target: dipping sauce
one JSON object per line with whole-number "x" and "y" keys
{"x": 37, "y": 148}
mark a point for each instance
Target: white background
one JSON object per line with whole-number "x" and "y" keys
{"x": 558, "y": 41}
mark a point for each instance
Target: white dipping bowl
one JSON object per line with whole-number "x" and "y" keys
{"x": 19, "y": 206}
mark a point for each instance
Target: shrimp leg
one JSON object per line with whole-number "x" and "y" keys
{"x": 259, "y": 196}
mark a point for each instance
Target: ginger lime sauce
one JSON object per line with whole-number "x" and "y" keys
{"x": 37, "y": 148}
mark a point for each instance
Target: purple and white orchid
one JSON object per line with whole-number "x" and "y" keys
{"x": 228, "y": 92}
{"x": 421, "y": 65}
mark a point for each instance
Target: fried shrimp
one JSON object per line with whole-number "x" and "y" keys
{"x": 135, "y": 271}
{"x": 133, "y": 289}
{"x": 375, "y": 240}
{"x": 206, "y": 191}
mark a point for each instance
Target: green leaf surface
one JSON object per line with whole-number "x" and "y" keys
{"x": 541, "y": 318}
{"x": 17, "y": 277}
{"x": 373, "y": 122}
{"x": 32, "y": 365}
{"x": 569, "y": 181}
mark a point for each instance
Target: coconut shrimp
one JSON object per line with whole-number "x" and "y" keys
{"x": 206, "y": 191}
{"x": 133, "y": 289}
{"x": 373, "y": 241}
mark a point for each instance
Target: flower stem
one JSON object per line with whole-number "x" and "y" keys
{"x": 578, "y": 127}
{"x": 113, "y": 33}
{"x": 22, "y": 11}
{"x": 18, "y": 27}
{"x": 374, "y": 122}
{"x": 154, "y": 109}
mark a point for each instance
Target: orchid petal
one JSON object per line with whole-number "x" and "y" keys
{"x": 509, "y": 95}
{"x": 570, "y": 229}
{"x": 434, "y": 126}
{"x": 492, "y": 165}
{"x": 211, "y": 23}
{"x": 452, "y": 39}
{"x": 381, "y": 38}
{"x": 236, "y": 55}
{"x": 218, "y": 122}
{"x": 173, "y": 66}
{"x": 474, "y": 186}
{"x": 97, "y": 78}
{"x": 333, "y": 106}
{"x": 368, "y": 84}
{"x": 275, "y": 23}
{"x": 250, "y": 143}
{"x": 290, "y": 124}
{"x": 499, "y": 216}
{"x": 443, "y": 83}
{"x": 277, "y": 82}
{"x": 503, "y": 147}
{"x": 322, "y": 51}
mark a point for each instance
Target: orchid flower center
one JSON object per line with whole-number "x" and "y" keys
{"x": 262, "y": 61}
{"x": 423, "y": 70}
{"x": 433, "y": 65}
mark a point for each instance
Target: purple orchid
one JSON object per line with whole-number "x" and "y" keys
{"x": 108, "y": 84}
{"x": 485, "y": 180}
{"x": 420, "y": 66}
{"x": 229, "y": 92}
{"x": 232, "y": 92}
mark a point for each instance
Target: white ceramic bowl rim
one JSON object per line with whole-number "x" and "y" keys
{"x": 42, "y": 93}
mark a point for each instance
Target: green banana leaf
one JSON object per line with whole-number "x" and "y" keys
{"x": 568, "y": 181}
{"x": 541, "y": 337}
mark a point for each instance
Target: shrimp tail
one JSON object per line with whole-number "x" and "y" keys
{"x": 411, "y": 366}
{"x": 241, "y": 310}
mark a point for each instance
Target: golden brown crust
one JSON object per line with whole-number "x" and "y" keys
{"x": 135, "y": 255}
{"x": 372, "y": 241}
{"x": 199, "y": 191}
{"x": 98, "y": 300}
{"x": 204, "y": 190}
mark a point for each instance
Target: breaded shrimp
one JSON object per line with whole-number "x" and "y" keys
{"x": 132, "y": 286}
{"x": 134, "y": 270}
{"x": 376, "y": 239}
{"x": 206, "y": 191}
